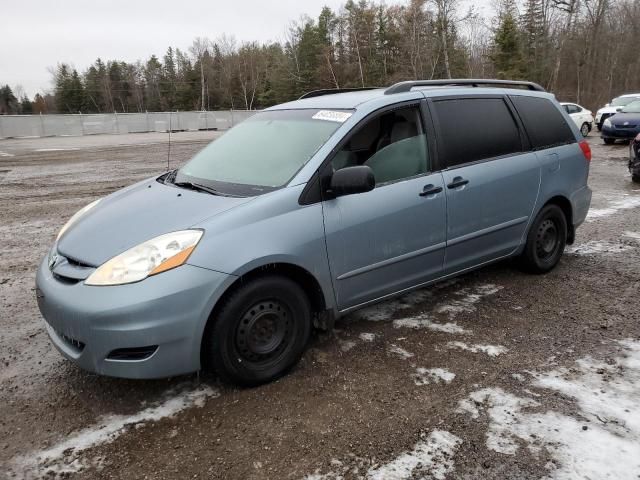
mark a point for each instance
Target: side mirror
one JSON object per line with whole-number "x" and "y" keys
{"x": 607, "y": 104}
{"x": 619, "y": 109}
{"x": 350, "y": 180}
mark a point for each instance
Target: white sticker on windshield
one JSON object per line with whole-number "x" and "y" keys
{"x": 332, "y": 116}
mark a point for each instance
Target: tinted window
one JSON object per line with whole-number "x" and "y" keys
{"x": 393, "y": 145}
{"x": 544, "y": 123}
{"x": 476, "y": 128}
{"x": 572, "y": 108}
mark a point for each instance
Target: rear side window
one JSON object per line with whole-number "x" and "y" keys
{"x": 543, "y": 121}
{"x": 473, "y": 129}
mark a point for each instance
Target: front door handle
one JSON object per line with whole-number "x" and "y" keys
{"x": 430, "y": 190}
{"x": 457, "y": 182}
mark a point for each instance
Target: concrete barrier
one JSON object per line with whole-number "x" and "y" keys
{"x": 16, "y": 126}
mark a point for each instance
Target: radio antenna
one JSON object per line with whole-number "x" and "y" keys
{"x": 169, "y": 148}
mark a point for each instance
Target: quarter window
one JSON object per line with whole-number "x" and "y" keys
{"x": 543, "y": 121}
{"x": 473, "y": 129}
{"x": 393, "y": 145}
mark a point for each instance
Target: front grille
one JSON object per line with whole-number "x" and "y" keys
{"x": 136, "y": 353}
{"x": 619, "y": 125}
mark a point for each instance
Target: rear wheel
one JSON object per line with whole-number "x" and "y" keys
{"x": 546, "y": 240}
{"x": 259, "y": 332}
{"x": 609, "y": 141}
{"x": 584, "y": 129}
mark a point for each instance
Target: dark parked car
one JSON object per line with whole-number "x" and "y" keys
{"x": 634, "y": 159}
{"x": 624, "y": 125}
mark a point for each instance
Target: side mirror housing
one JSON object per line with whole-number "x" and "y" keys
{"x": 619, "y": 109}
{"x": 350, "y": 180}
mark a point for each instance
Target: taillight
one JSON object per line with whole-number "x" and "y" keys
{"x": 586, "y": 150}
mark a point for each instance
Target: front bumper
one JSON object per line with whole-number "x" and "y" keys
{"x": 619, "y": 133}
{"x": 87, "y": 324}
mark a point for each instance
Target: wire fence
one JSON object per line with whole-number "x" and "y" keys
{"x": 16, "y": 126}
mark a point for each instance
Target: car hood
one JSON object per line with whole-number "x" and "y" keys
{"x": 607, "y": 110}
{"x": 135, "y": 214}
{"x": 622, "y": 118}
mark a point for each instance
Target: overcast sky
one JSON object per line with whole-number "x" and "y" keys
{"x": 37, "y": 34}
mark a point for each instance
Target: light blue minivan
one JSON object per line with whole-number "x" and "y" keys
{"x": 305, "y": 212}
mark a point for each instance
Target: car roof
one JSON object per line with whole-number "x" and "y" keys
{"x": 355, "y": 99}
{"x": 629, "y": 95}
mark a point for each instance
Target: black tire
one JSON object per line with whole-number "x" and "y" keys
{"x": 635, "y": 178}
{"x": 585, "y": 129}
{"x": 599, "y": 126}
{"x": 259, "y": 332}
{"x": 546, "y": 240}
{"x": 609, "y": 141}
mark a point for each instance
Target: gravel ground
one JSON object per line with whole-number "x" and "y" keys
{"x": 496, "y": 374}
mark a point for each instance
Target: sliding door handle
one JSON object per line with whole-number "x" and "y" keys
{"x": 457, "y": 182}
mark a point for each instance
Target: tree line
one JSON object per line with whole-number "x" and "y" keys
{"x": 582, "y": 50}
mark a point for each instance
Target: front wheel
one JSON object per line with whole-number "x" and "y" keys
{"x": 259, "y": 332}
{"x": 546, "y": 240}
{"x": 585, "y": 129}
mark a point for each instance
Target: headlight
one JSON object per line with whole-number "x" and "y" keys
{"x": 153, "y": 256}
{"x": 607, "y": 123}
{"x": 75, "y": 217}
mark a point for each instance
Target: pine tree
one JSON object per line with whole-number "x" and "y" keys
{"x": 506, "y": 53}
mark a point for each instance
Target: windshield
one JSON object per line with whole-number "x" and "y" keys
{"x": 633, "y": 107}
{"x": 262, "y": 153}
{"x": 622, "y": 101}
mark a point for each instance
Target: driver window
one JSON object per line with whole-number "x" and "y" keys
{"x": 393, "y": 145}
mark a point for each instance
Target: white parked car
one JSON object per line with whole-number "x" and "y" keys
{"x": 614, "y": 107}
{"x": 582, "y": 117}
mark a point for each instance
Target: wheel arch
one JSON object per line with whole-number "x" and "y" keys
{"x": 565, "y": 205}
{"x": 322, "y": 313}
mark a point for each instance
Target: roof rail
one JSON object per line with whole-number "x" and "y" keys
{"x": 330, "y": 91}
{"x": 470, "y": 82}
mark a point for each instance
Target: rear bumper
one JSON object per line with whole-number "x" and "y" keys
{"x": 581, "y": 201}
{"x": 168, "y": 311}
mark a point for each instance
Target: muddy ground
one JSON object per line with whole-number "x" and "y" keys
{"x": 391, "y": 393}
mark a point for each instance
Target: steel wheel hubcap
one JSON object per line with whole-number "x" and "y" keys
{"x": 546, "y": 239}
{"x": 263, "y": 331}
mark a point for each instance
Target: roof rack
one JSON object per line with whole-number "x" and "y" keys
{"x": 330, "y": 91}
{"x": 455, "y": 82}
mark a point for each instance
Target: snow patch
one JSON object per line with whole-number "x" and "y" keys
{"x": 368, "y": 337}
{"x": 601, "y": 441}
{"x": 469, "y": 297}
{"x": 55, "y": 149}
{"x": 424, "y": 321}
{"x": 346, "y": 345}
{"x": 430, "y": 458}
{"x": 426, "y": 376}
{"x": 633, "y": 235}
{"x": 5, "y": 154}
{"x": 64, "y": 457}
{"x": 491, "y": 350}
{"x": 595, "y": 247}
{"x": 614, "y": 207}
{"x": 401, "y": 352}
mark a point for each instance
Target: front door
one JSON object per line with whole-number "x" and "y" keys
{"x": 392, "y": 237}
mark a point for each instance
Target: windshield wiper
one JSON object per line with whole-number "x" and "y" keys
{"x": 199, "y": 188}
